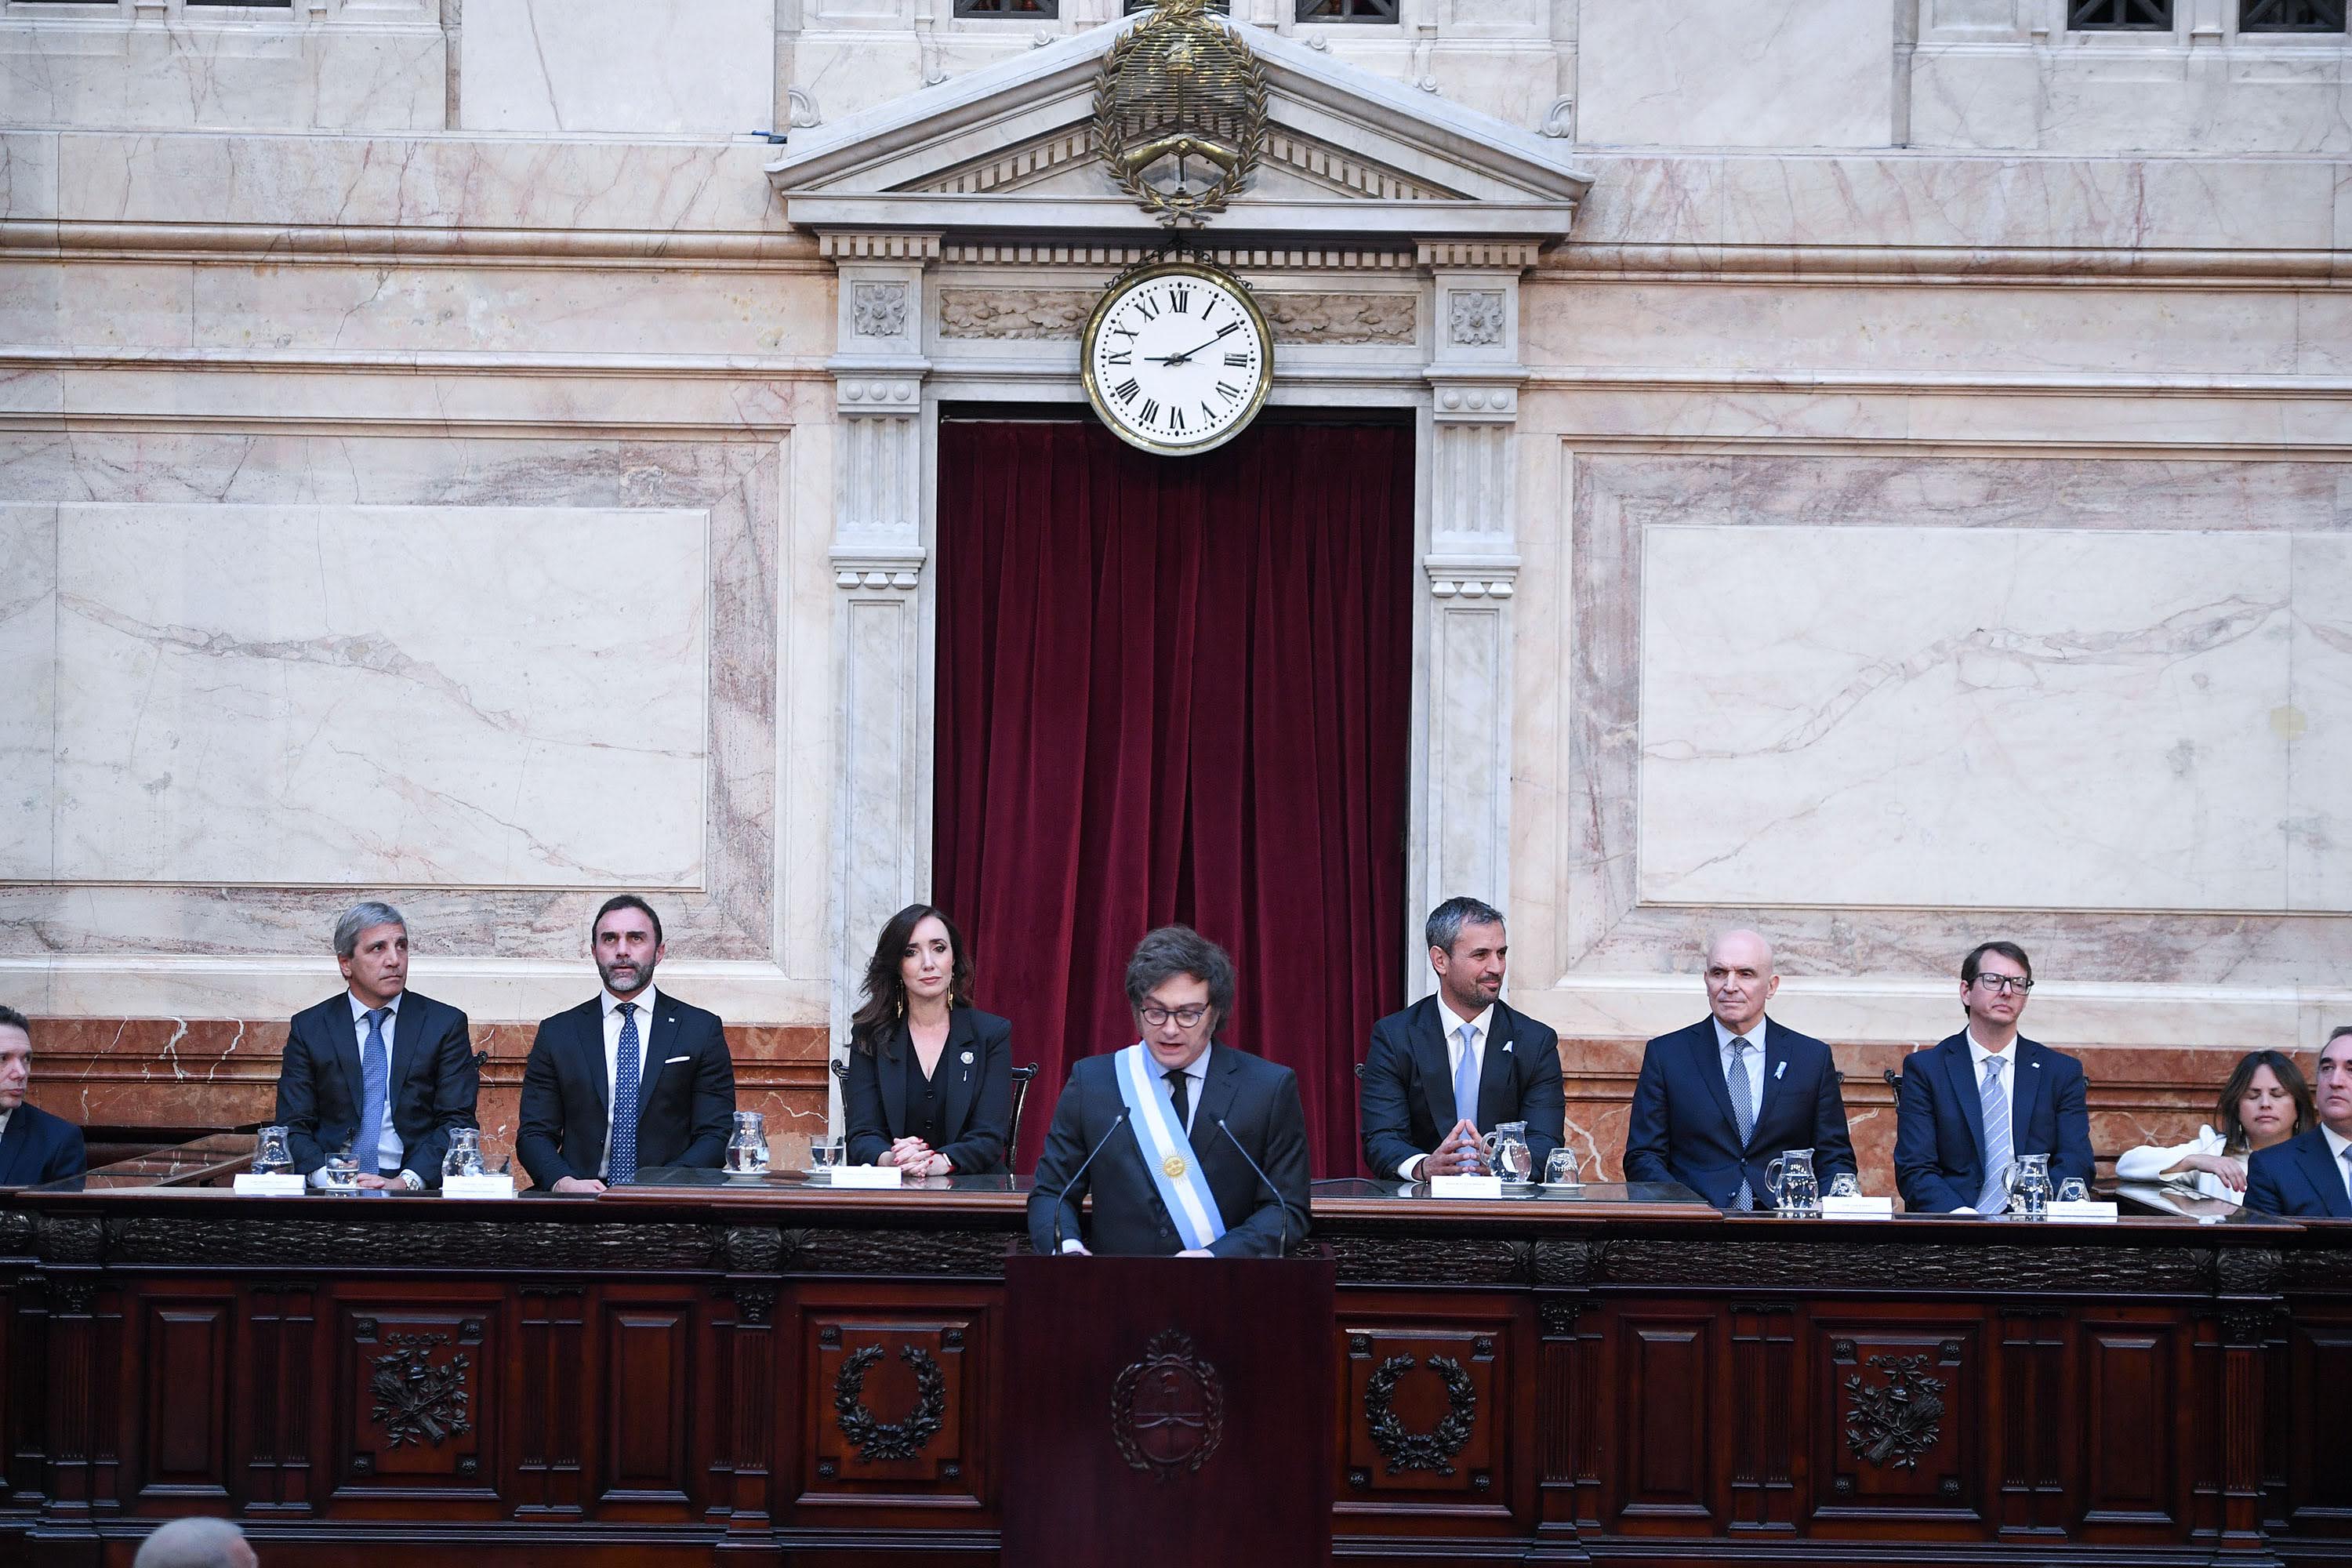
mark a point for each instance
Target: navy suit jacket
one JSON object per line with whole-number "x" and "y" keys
{"x": 1939, "y": 1122}
{"x": 1681, "y": 1127}
{"x": 1258, "y": 1100}
{"x": 976, "y": 1079}
{"x": 1407, "y": 1093}
{"x": 685, "y": 1092}
{"x": 2299, "y": 1178}
{"x": 434, "y": 1083}
{"x": 39, "y": 1147}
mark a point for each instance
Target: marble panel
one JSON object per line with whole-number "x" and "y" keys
{"x": 1718, "y": 73}
{"x": 2200, "y": 974}
{"x": 2315, "y": 724}
{"x": 1951, "y": 718}
{"x": 619, "y": 66}
{"x": 28, "y": 175}
{"x": 391, "y": 696}
{"x": 28, "y": 630}
{"x": 88, "y": 945}
{"x": 1975, "y": 98}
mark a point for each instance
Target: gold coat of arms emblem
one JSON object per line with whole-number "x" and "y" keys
{"x": 1180, "y": 112}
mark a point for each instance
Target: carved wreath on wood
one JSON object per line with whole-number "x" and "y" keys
{"x": 1431, "y": 1450}
{"x": 1181, "y": 89}
{"x": 417, "y": 1401}
{"x": 1895, "y": 1422}
{"x": 879, "y": 1441}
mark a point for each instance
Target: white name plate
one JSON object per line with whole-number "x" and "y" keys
{"x": 868, "y": 1176}
{"x": 1857, "y": 1208}
{"x": 1465, "y": 1187}
{"x": 478, "y": 1186}
{"x": 2084, "y": 1213}
{"x": 287, "y": 1185}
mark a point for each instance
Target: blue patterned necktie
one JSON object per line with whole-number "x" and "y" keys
{"x": 1466, "y": 1078}
{"x": 375, "y": 1075}
{"x": 1743, "y": 1115}
{"x": 1999, "y": 1148}
{"x": 622, "y": 1169}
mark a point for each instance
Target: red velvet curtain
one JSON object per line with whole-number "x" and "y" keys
{"x": 1178, "y": 689}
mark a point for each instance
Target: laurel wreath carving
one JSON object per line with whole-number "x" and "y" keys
{"x": 1110, "y": 132}
{"x": 1433, "y": 1450}
{"x": 416, "y": 1400}
{"x": 880, "y": 1441}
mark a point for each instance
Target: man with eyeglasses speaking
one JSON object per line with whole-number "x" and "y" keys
{"x": 1189, "y": 1146}
{"x": 1972, "y": 1104}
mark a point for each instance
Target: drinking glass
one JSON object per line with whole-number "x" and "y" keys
{"x": 341, "y": 1174}
{"x": 1560, "y": 1169}
{"x": 2073, "y": 1190}
{"x": 747, "y": 1147}
{"x": 271, "y": 1156}
{"x": 1845, "y": 1184}
{"x": 824, "y": 1156}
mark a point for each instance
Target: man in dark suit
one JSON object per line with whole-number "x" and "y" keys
{"x": 1173, "y": 1122}
{"x": 376, "y": 1068}
{"x": 2309, "y": 1177}
{"x": 630, "y": 1079}
{"x": 1716, "y": 1101}
{"x": 34, "y": 1146}
{"x": 1971, "y": 1104}
{"x": 1443, "y": 1072}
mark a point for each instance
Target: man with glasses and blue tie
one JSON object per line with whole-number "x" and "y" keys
{"x": 377, "y": 1068}
{"x": 1972, "y": 1104}
{"x": 1442, "y": 1074}
{"x": 632, "y": 1077}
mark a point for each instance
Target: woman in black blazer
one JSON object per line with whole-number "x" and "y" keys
{"x": 930, "y": 1076}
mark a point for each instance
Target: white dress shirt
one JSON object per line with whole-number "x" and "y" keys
{"x": 2336, "y": 1144}
{"x": 389, "y": 1150}
{"x": 1755, "y": 1039}
{"x": 3, "y": 1121}
{"x": 1978, "y": 1056}
{"x": 645, "y": 1015}
{"x": 2148, "y": 1164}
{"x": 1410, "y": 1170}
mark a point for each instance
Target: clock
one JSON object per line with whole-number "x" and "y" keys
{"x": 1177, "y": 358}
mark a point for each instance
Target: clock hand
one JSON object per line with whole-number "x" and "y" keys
{"x": 1187, "y": 353}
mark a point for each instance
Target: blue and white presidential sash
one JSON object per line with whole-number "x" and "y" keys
{"x": 1174, "y": 1166}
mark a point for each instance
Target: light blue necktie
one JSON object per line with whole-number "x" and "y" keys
{"x": 622, "y": 1169}
{"x": 375, "y": 1075}
{"x": 1466, "y": 1079}
{"x": 1997, "y": 1147}
{"x": 1743, "y": 1116}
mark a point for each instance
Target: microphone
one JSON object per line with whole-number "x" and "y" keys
{"x": 1281, "y": 1249}
{"x": 1116, "y": 1123}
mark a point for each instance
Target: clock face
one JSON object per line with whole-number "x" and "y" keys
{"x": 1178, "y": 359}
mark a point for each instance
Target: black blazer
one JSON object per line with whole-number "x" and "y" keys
{"x": 975, "y": 1078}
{"x": 39, "y": 1147}
{"x": 433, "y": 1082}
{"x": 1256, "y": 1098}
{"x": 686, "y": 1093}
{"x": 1939, "y": 1122}
{"x": 1407, "y": 1092}
{"x": 1680, "y": 1128}
{"x": 2300, "y": 1178}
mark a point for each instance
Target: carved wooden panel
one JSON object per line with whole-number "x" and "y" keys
{"x": 647, "y": 1464}
{"x": 1770, "y": 1417}
{"x": 887, "y": 1405}
{"x": 1665, "y": 1370}
{"x": 1902, "y": 1434}
{"x": 2132, "y": 1383}
{"x": 551, "y": 1350}
{"x": 277, "y": 1367}
{"x": 415, "y": 1382}
{"x": 2032, "y": 1396}
{"x": 2319, "y": 1480}
{"x": 1425, "y": 1413}
{"x": 184, "y": 1415}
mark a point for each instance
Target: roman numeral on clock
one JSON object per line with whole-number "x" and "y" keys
{"x": 1150, "y": 415}
{"x": 1124, "y": 356}
{"x": 1127, "y": 390}
{"x": 1231, "y": 393}
{"x": 1180, "y": 299}
{"x": 1176, "y": 420}
{"x": 1237, "y": 361}
{"x": 1146, "y": 309}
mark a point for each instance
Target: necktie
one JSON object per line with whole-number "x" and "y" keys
{"x": 1466, "y": 1078}
{"x": 2348, "y": 1172}
{"x": 1743, "y": 1115}
{"x": 1179, "y": 1089}
{"x": 622, "y": 1169}
{"x": 375, "y": 1075}
{"x": 1997, "y": 1149}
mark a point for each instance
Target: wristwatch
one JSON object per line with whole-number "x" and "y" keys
{"x": 412, "y": 1180}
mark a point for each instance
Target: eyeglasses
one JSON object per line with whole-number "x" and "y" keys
{"x": 2005, "y": 983}
{"x": 1185, "y": 1017}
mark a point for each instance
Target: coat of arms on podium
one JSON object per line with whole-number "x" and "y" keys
{"x": 1168, "y": 1410}
{"x": 1180, "y": 112}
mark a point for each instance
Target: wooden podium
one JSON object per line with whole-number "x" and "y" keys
{"x": 1166, "y": 1410}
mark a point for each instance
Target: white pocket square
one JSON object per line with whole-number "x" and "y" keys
{"x": 677, "y": 1059}
{"x": 1506, "y": 1047}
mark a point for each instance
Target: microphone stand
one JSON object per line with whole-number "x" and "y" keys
{"x": 1116, "y": 1123}
{"x": 1281, "y": 1248}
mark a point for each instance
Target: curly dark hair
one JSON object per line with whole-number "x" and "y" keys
{"x": 885, "y": 987}
{"x": 1171, "y": 951}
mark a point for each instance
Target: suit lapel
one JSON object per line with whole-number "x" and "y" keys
{"x": 1498, "y": 1096}
{"x": 1435, "y": 1056}
{"x": 343, "y": 1037}
{"x": 1775, "y": 1067}
{"x": 2322, "y": 1172}
{"x": 957, "y": 1078}
{"x": 2021, "y": 1101}
{"x": 1217, "y": 1092}
{"x": 1961, "y": 1076}
{"x": 407, "y": 1040}
{"x": 890, "y": 1072}
{"x": 591, "y": 1043}
{"x": 659, "y": 1038}
{"x": 12, "y": 1144}
{"x": 1706, "y": 1059}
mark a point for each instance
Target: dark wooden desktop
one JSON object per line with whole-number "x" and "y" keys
{"x": 794, "y": 1373}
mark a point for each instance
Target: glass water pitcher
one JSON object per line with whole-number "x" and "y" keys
{"x": 1796, "y": 1190}
{"x": 1507, "y": 1154}
{"x": 747, "y": 1146}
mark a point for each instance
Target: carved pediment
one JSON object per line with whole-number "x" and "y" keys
{"x": 1008, "y": 149}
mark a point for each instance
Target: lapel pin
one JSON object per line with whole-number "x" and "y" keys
{"x": 967, "y": 1059}
{"x": 1506, "y": 1047}
{"x": 1780, "y": 1071}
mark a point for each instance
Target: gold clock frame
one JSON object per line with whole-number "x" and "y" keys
{"x": 1152, "y": 271}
